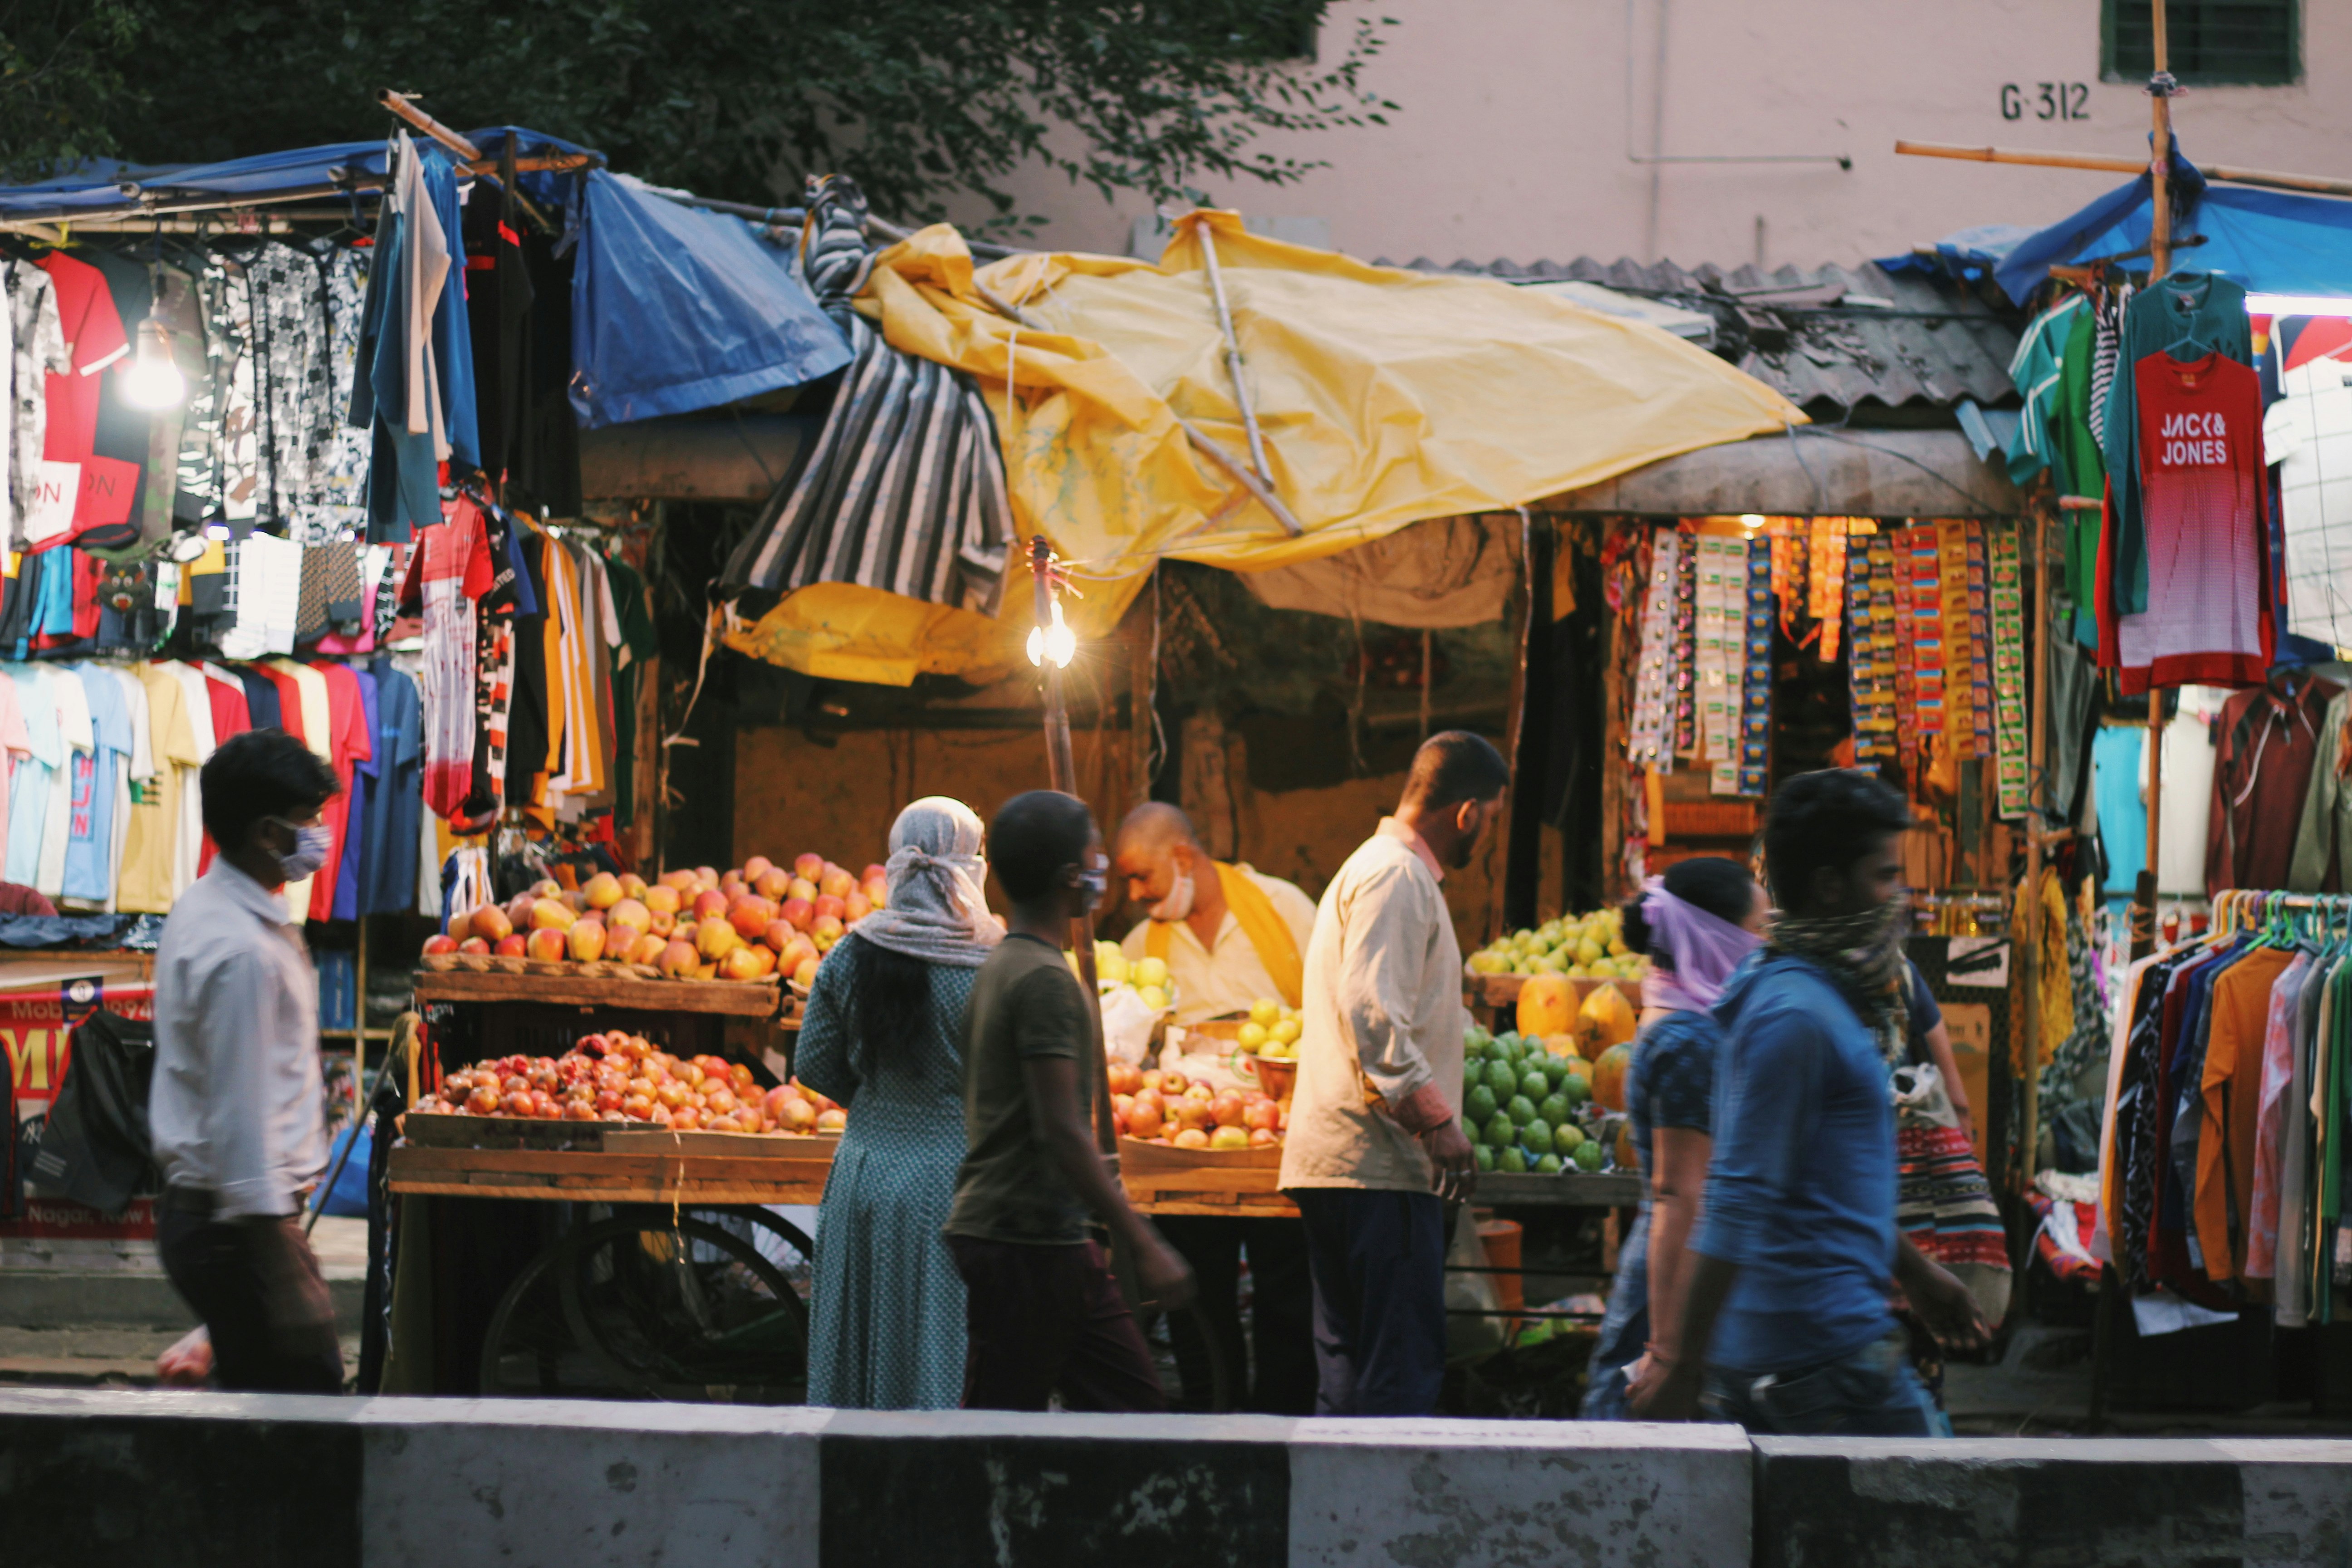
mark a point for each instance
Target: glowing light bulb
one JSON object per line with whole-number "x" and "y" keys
{"x": 155, "y": 381}
{"x": 1751, "y": 521}
{"x": 1055, "y": 641}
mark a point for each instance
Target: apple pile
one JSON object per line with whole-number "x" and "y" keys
{"x": 1166, "y": 1108}
{"x": 619, "y": 1076}
{"x": 749, "y": 923}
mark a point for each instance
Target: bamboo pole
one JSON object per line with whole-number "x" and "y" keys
{"x": 400, "y": 107}
{"x": 2159, "y": 251}
{"x": 2269, "y": 178}
{"x": 1203, "y": 230}
{"x": 2036, "y": 754}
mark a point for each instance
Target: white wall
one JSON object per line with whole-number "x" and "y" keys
{"x": 1512, "y": 136}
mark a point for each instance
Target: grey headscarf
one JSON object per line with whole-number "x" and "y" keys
{"x": 938, "y": 908}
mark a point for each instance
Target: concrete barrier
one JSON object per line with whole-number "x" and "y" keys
{"x": 2150, "y": 1503}
{"x": 94, "y": 1478}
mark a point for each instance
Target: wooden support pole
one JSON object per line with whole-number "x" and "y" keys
{"x": 1206, "y": 234}
{"x": 2159, "y": 250}
{"x": 2036, "y": 751}
{"x": 399, "y": 106}
{"x": 2267, "y": 178}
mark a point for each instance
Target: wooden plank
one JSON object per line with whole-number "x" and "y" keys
{"x": 695, "y": 1194}
{"x": 753, "y": 999}
{"x": 1578, "y": 1192}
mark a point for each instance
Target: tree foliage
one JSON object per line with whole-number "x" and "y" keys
{"x": 921, "y": 101}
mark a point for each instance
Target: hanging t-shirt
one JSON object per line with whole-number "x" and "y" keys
{"x": 147, "y": 855}
{"x": 2308, "y": 434}
{"x": 350, "y": 744}
{"x": 95, "y": 339}
{"x": 388, "y": 844}
{"x": 450, "y": 571}
{"x": 140, "y": 775}
{"x": 89, "y": 876}
{"x": 2034, "y": 371}
{"x": 364, "y": 783}
{"x": 187, "y": 843}
{"x": 2196, "y": 312}
{"x": 15, "y": 742}
{"x": 57, "y": 830}
{"x": 45, "y": 756}
{"x": 231, "y": 717}
{"x": 2122, "y": 811}
{"x": 2203, "y": 505}
{"x": 302, "y": 711}
{"x": 261, "y": 702}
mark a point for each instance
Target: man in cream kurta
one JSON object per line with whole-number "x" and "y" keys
{"x": 1374, "y": 1152}
{"x": 1243, "y": 914}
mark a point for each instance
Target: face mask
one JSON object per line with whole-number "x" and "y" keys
{"x": 312, "y": 844}
{"x": 1179, "y": 902}
{"x": 1093, "y": 882}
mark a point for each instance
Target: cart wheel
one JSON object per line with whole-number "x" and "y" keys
{"x": 643, "y": 1309}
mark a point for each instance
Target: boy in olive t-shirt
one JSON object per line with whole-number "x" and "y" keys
{"x": 1042, "y": 1313}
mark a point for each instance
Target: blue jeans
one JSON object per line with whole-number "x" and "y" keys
{"x": 1867, "y": 1393}
{"x": 1378, "y": 1261}
{"x": 1625, "y": 1332}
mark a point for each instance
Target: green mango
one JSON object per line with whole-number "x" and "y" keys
{"x": 1548, "y": 1165}
{"x": 1514, "y": 1161}
{"x": 1483, "y": 1155}
{"x": 1521, "y": 1110}
{"x": 1534, "y": 1084}
{"x": 1503, "y": 1078}
{"x": 1588, "y": 1155}
{"x": 1536, "y": 1135}
{"x": 1554, "y": 1108}
{"x": 1478, "y": 1106}
{"x": 1498, "y": 1130}
{"x": 1577, "y": 1088}
{"x": 1568, "y": 1138}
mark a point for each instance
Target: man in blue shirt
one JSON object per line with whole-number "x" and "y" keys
{"x": 1797, "y": 1250}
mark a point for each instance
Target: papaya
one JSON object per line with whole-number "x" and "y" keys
{"x": 1547, "y": 1005}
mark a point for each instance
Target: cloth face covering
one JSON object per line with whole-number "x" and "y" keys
{"x": 1704, "y": 949}
{"x": 938, "y": 910}
{"x": 1179, "y": 902}
{"x": 1863, "y": 953}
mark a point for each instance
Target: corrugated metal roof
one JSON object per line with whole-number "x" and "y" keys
{"x": 1834, "y": 336}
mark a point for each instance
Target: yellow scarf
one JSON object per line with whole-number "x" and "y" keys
{"x": 1260, "y": 922}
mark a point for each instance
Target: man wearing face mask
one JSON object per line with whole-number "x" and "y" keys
{"x": 1230, "y": 935}
{"x": 1375, "y": 1157}
{"x": 1785, "y": 1322}
{"x": 236, "y": 1106}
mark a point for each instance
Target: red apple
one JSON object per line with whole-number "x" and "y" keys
{"x": 757, "y": 866}
{"x": 1227, "y": 1109}
{"x": 874, "y": 872}
{"x": 809, "y": 866}
{"x": 710, "y": 905}
{"x": 751, "y": 917}
{"x": 772, "y": 883}
{"x": 798, "y": 911}
{"x": 547, "y": 944}
{"x": 440, "y": 944}
{"x": 474, "y": 944}
{"x": 826, "y": 904}
{"x": 678, "y": 960}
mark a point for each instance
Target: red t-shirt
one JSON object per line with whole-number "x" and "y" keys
{"x": 230, "y": 717}
{"x": 349, "y": 746}
{"x": 95, "y": 339}
{"x": 2212, "y": 612}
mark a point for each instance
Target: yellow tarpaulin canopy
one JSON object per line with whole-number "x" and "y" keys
{"x": 1384, "y": 396}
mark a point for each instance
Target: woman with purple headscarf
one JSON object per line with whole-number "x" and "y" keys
{"x": 1697, "y": 924}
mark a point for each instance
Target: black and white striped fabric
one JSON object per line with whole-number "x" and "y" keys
{"x": 904, "y": 490}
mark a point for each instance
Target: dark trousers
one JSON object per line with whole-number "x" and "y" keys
{"x": 1042, "y": 1319}
{"x": 1282, "y": 1312}
{"x": 257, "y": 1285}
{"x": 1379, "y": 1265}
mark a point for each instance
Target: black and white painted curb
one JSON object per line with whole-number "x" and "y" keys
{"x": 97, "y": 1479}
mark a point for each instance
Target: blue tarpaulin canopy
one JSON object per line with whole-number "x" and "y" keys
{"x": 674, "y": 308}
{"x": 2271, "y": 242}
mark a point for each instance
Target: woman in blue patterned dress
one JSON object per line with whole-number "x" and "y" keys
{"x": 1697, "y": 924}
{"x": 883, "y": 1034}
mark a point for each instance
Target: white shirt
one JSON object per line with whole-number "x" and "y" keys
{"x": 236, "y": 1104}
{"x": 1383, "y": 1007}
{"x": 1228, "y": 974}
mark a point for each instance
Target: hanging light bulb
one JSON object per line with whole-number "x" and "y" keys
{"x": 154, "y": 381}
{"x": 1054, "y": 640}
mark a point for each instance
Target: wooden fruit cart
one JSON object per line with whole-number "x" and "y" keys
{"x": 679, "y": 1283}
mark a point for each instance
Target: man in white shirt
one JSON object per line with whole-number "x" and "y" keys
{"x": 1375, "y": 1157}
{"x": 1230, "y": 936}
{"x": 236, "y": 1103}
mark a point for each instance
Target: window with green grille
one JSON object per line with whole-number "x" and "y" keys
{"x": 2255, "y": 42}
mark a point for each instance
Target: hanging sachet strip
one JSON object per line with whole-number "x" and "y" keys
{"x": 1980, "y": 696}
{"x": 2008, "y": 619}
{"x": 1952, "y": 608}
{"x": 1721, "y": 661}
{"x": 1685, "y": 679}
{"x": 1754, "y": 740}
{"x": 1825, "y": 581}
{"x": 1648, "y": 732}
